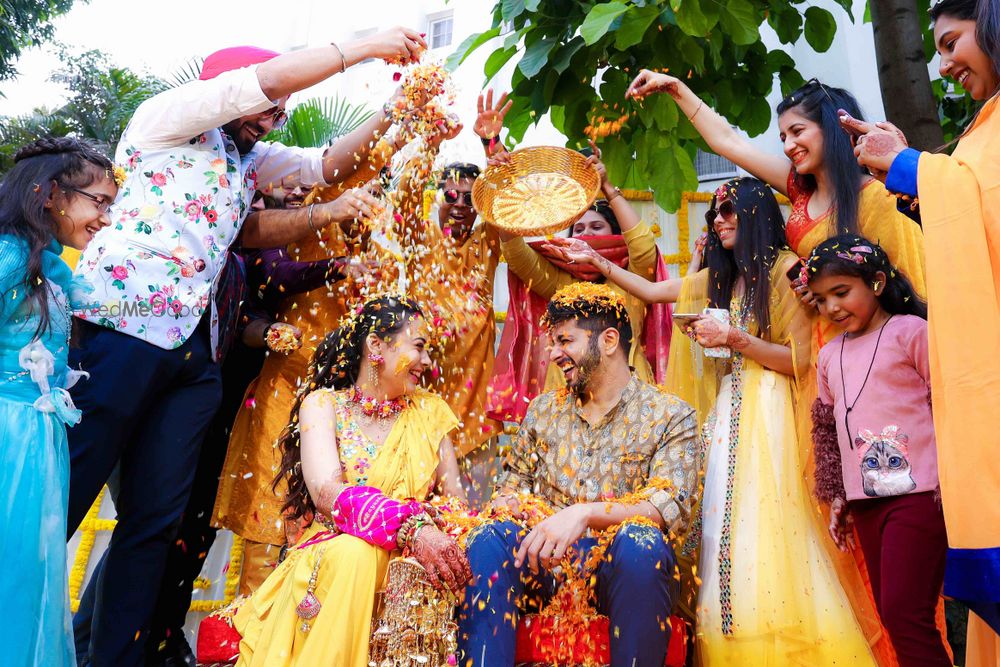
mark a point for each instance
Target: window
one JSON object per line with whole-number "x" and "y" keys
{"x": 711, "y": 167}
{"x": 440, "y": 31}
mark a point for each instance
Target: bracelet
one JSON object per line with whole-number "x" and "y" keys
{"x": 311, "y": 225}
{"x": 617, "y": 193}
{"x": 408, "y": 530}
{"x": 343, "y": 60}
{"x": 701, "y": 103}
{"x": 487, "y": 140}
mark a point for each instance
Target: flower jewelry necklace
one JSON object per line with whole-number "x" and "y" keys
{"x": 843, "y": 380}
{"x": 375, "y": 409}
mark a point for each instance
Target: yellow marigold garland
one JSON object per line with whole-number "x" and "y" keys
{"x": 88, "y": 533}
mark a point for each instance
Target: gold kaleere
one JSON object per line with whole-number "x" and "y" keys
{"x": 413, "y": 624}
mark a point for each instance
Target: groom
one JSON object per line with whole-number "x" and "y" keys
{"x": 606, "y": 436}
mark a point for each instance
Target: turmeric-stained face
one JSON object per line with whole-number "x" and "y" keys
{"x": 406, "y": 358}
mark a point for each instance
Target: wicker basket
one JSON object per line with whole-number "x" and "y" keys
{"x": 541, "y": 190}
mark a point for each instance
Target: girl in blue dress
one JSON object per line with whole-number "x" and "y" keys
{"x": 57, "y": 194}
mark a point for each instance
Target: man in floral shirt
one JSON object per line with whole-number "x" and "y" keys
{"x": 192, "y": 161}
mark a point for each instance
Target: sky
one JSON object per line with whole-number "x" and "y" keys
{"x": 143, "y": 35}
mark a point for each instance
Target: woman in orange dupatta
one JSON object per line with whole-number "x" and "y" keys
{"x": 959, "y": 206}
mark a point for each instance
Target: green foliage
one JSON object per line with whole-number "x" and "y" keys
{"x": 102, "y": 99}
{"x": 317, "y": 122}
{"x": 575, "y": 59}
{"x": 25, "y": 23}
{"x": 15, "y": 132}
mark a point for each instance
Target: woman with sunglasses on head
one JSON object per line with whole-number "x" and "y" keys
{"x": 829, "y": 193}
{"x": 756, "y": 523}
{"x": 959, "y": 206}
{"x": 56, "y": 195}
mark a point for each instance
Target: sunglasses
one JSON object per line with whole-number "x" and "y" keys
{"x": 101, "y": 203}
{"x": 452, "y": 197}
{"x": 727, "y": 209}
{"x": 278, "y": 118}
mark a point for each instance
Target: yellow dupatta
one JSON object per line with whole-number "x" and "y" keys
{"x": 694, "y": 377}
{"x": 345, "y": 572}
{"x": 960, "y": 209}
{"x": 406, "y": 462}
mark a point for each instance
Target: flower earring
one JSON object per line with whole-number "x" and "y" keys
{"x": 377, "y": 360}
{"x": 877, "y": 284}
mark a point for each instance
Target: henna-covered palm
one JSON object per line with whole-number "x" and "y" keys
{"x": 575, "y": 250}
{"x": 441, "y": 557}
{"x": 648, "y": 82}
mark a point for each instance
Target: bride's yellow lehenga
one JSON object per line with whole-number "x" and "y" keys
{"x": 348, "y": 571}
{"x": 770, "y": 593}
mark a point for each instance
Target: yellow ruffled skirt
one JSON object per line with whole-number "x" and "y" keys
{"x": 786, "y": 603}
{"x": 350, "y": 573}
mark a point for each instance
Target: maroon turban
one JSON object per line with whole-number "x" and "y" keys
{"x": 235, "y": 57}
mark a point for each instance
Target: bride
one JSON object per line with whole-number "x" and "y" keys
{"x": 363, "y": 442}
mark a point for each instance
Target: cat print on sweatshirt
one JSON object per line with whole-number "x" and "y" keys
{"x": 885, "y": 468}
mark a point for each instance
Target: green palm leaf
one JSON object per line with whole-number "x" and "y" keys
{"x": 319, "y": 121}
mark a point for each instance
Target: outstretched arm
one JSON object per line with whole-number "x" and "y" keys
{"x": 278, "y": 227}
{"x": 298, "y": 70}
{"x": 714, "y": 129}
{"x": 575, "y": 250}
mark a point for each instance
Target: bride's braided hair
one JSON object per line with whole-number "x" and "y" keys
{"x": 39, "y": 167}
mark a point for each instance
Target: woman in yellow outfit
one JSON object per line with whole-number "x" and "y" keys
{"x": 829, "y": 195}
{"x": 770, "y": 594}
{"x": 364, "y": 442}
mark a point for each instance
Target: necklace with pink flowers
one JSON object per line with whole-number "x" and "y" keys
{"x": 374, "y": 408}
